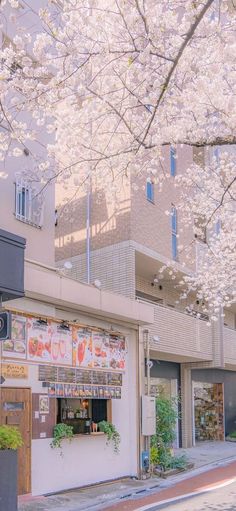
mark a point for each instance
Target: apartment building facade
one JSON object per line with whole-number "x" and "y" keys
{"x": 124, "y": 245}
{"x": 73, "y": 352}
{"x": 48, "y": 370}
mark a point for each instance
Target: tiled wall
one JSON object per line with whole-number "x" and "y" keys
{"x": 114, "y": 266}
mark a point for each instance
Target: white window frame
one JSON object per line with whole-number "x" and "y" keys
{"x": 25, "y": 204}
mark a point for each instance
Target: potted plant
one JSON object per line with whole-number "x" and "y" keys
{"x": 10, "y": 441}
{"x": 60, "y": 432}
{"x": 112, "y": 434}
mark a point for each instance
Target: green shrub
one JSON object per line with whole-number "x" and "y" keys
{"x": 154, "y": 456}
{"x": 10, "y": 438}
{"x": 112, "y": 434}
{"x": 162, "y": 441}
{"x": 233, "y": 434}
{"x": 60, "y": 432}
{"x": 178, "y": 461}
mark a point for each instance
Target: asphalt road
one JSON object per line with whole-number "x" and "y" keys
{"x": 218, "y": 499}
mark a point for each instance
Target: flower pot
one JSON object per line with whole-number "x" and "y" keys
{"x": 8, "y": 480}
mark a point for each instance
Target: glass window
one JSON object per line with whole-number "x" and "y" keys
{"x": 150, "y": 191}
{"x": 81, "y": 414}
{"x": 29, "y": 203}
{"x": 174, "y": 232}
{"x": 9, "y": 406}
{"x": 172, "y": 161}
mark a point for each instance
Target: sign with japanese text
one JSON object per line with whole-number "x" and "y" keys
{"x": 15, "y": 371}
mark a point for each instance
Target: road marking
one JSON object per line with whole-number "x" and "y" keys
{"x": 186, "y": 495}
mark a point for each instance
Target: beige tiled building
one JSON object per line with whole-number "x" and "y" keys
{"x": 123, "y": 245}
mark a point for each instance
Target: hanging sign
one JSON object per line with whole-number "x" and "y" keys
{"x": 14, "y": 371}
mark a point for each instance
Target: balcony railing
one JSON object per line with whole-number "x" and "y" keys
{"x": 179, "y": 333}
{"x": 229, "y": 345}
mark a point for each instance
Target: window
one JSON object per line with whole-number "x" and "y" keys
{"x": 174, "y": 231}
{"x": 172, "y": 161}
{"x": 150, "y": 190}
{"x": 81, "y": 413}
{"x": 28, "y": 203}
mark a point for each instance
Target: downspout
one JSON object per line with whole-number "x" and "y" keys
{"x": 139, "y": 394}
{"x": 88, "y": 231}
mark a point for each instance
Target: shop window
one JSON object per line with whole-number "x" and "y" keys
{"x": 208, "y": 411}
{"x": 83, "y": 414}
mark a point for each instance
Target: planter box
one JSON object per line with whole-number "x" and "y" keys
{"x": 8, "y": 480}
{"x": 229, "y": 439}
{"x": 172, "y": 471}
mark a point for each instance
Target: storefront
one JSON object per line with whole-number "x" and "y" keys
{"x": 214, "y": 403}
{"x": 165, "y": 381}
{"x": 65, "y": 372}
{"x": 208, "y": 411}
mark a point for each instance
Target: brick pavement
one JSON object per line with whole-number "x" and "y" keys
{"x": 197, "y": 483}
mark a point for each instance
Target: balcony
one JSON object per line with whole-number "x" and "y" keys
{"x": 229, "y": 346}
{"x": 180, "y": 336}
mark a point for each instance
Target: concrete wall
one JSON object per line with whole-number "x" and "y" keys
{"x": 109, "y": 218}
{"x": 39, "y": 241}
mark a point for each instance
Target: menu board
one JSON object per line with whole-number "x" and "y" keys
{"x": 84, "y": 376}
{"x": 16, "y": 346}
{"x": 81, "y": 376}
{"x": 48, "y": 341}
{"x": 64, "y": 374}
{"x": 61, "y": 343}
{"x": 100, "y": 377}
{"x": 114, "y": 379}
{"x": 47, "y": 373}
{"x": 82, "y": 348}
{"x": 39, "y": 340}
{"x": 68, "y": 390}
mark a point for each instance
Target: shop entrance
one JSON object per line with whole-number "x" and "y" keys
{"x": 208, "y": 411}
{"x": 16, "y": 411}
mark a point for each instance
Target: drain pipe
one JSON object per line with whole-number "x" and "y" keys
{"x": 88, "y": 230}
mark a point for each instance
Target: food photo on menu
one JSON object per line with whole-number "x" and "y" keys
{"x": 117, "y": 352}
{"x": 39, "y": 339}
{"x": 61, "y": 343}
{"x": 101, "y": 350}
{"x": 16, "y": 346}
{"x": 82, "y": 348}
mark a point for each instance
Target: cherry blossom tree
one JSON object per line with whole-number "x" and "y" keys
{"x": 114, "y": 81}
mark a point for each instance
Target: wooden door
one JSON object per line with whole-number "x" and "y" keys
{"x": 16, "y": 411}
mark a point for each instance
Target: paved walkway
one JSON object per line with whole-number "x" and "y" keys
{"x": 205, "y": 456}
{"x": 198, "y": 483}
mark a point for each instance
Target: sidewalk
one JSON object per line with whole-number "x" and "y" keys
{"x": 205, "y": 456}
